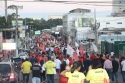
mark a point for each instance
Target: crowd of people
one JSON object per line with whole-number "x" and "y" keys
{"x": 47, "y": 62}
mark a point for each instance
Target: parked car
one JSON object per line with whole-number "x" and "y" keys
{"x": 23, "y": 55}
{"x": 8, "y": 73}
{"x": 16, "y": 61}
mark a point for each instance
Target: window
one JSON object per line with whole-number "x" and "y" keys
{"x": 5, "y": 68}
{"x": 119, "y": 22}
{"x": 107, "y": 22}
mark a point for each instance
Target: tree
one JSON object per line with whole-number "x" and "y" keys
{"x": 54, "y": 22}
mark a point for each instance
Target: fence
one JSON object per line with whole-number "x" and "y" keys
{"x": 118, "y": 48}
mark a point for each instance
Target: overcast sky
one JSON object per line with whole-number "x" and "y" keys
{"x": 43, "y": 9}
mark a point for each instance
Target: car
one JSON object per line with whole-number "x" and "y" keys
{"x": 8, "y": 73}
{"x": 16, "y": 61}
{"x": 24, "y": 55}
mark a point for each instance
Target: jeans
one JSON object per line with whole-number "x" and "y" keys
{"x": 109, "y": 72}
{"x": 35, "y": 80}
{"x": 114, "y": 74}
{"x": 26, "y": 77}
{"x": 123, "y": 76}
{"x": 50, "y": 77}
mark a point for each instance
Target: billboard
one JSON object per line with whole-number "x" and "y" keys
{"x": 22, "y": 34}
{"x": 85, "y": 22}
{"x": 20, "y": 22}
{"x": 37, "y": 32}
{"x": 9, "y": 46}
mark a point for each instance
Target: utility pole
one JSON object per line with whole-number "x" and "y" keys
{"x": 95, "y": 29}
{"x": 16, "y": 8}
{"x": 16, "y": 31}
{"x": 6, "y": 10}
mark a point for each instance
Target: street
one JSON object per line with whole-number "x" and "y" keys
{"x": 57, "y": 81}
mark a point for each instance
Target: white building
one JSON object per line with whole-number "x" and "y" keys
{"x": 118, "y": 6}
{"x": 55, "y": 17}
{"x": 111, "y": 22}
{"x": 112, "y": 25}
{"x": 78, "y": 20}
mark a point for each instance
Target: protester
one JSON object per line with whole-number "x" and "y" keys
{"x": 74, "y": 76}
{"x": 115, "y": 66}
{"x": 123, "y": 69}
{"x": 32, "y": 60}
{"x": 93, "y": 56}
{"x": 58, "y": 63}
{"x": 49, "y": 66}
{"x": 63, "y": 79}
{"x": 36, "y": 70}
{"x": 96, "y": 74}
{"x": 108, "y": 66}
{"x": 26, "y": 66}
{"x": 101, "y": 60}
{"x": 87, "y": 63}
{"x": 43, "y": 77}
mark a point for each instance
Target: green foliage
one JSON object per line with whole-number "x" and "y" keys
{"x": 36, "y": 24}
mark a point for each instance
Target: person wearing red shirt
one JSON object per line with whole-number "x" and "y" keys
{"x": 39, "y": 58}
{"x": 63, "y": 79}
{"x": 55, "y": 50}
{"x": 60, "y": 57}
{"x": 93, "y": 56}
{"x": 58, "y": 51}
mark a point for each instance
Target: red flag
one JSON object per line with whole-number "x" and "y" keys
{"x": 75, "y": 56}
{"x": 81, "y": 50}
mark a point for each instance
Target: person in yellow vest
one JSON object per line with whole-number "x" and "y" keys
{"x": 26, "y": 66}
{"x": 74, "y": 76}
{"x": 96, "y": 74}
{"x": 50, "y": 66}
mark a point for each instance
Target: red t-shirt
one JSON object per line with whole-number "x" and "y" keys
{"x": 92, "y": 57}
{"x": 60, "y": 57}
{"x": 63, "y": 79}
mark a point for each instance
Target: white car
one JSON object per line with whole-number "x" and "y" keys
{"x": 24, "y": 55}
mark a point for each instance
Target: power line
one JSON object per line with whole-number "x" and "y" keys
{"x": 89, "y": 3}
{"x": 79, "y": 3}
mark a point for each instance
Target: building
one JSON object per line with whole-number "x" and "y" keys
{"x": 55, "y": 16}
{"x": 78, "y": 19}
{"x": 111, "y": 22}
{"x": 37, "y": 18}
{"x": 115, "y": 26}
{"x": 118, "y": 8}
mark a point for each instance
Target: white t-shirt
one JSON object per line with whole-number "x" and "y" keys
{"x": 67, "y": 61}
{"x": 112, "y": 53}
{"x": 123, "y": 65}
{"x": 62, "y": 48}
{"x": 57, "y": 62}
{"x": 52, "y": 49}
{"x": 43, "y": 67}
{"x": 47, "y": 49}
